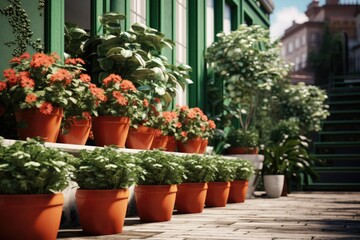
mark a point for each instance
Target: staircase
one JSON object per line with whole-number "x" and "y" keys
{"x": 338, "y": 145}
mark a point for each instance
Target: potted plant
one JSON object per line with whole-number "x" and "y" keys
{"x": 167, "y": 122}
{"x": 243, "y": 170}
{"x": 193, "y": 123}
{"x": 120, "y": 101}
{"x": 219, "y": 186}
{"x": 104, "y": 176}
{"x": 77, "y": 119}
{"x": 191, "y": 194}
{"x": 36, "y": 87}
{"x": 243, "y": 142}
{"x": 289, "y": 128}
{"x": 31, "y": 177}
{"x": 155, "y": 192}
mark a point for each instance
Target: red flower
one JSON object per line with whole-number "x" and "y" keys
{"x": 183, "y": 133}
{"x": 42, "y": 60}
{"x": 98, "y": 93}
{"x": 24, "y": 74}
{"x": 62, "y": 75}
{"x": 157, "y": 100}
{"x": 46, "y": 108}
{"x": 30, "y": 98}
{"x": 85, "y": 78}
{"x": 74, "y": 61}
{"x": 127, "y": 85}
{"x": 10, "y": 75}
{"x": 178, "y": 125}
{"x": 212, "y": 124}
{"x": 117, "y": 94}
{"x": 27, "y": 82}
{"x": 122, "y": 101}
{"x": 25, "y": 55}
{"x": 112, "y": 78}
{"x": 15, "y": 60}
{"x": 2, "y": 86}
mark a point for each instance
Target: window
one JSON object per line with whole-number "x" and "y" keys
{"x": 297, "y": 63}
{"x": 181, "y": 42}
{"x": 290, "y": 47}
{"x": 138, "y": 11}
{"x": 210, "y": 34}
{"x": 227, "y": 18}
{"x": 73, "y": 15}
{"x": 303, "y": 39}
{"x": 303, "y": 60}
{"x": 297, "y": 43}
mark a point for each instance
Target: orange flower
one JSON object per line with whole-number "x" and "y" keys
{"x": 146, "y": 103}
{"x": 42, "y": 60}
{"x": 62, "y": 75}
{"x": 46, "y": 108}
{"x": 25, "y": 55}
{"x": 74, "y": 61}
{"x": 204, "y": 118}
{"x": 27, "y": 82}
{"x": 10, "y": 75}
{"x": 168, "y": 116}
{"x": 117, "y": 94}
{"x": 30, "y": 98}
{"x": 2, "y": 86}
{"x": 112, "y": 78}
{"x": 85, "y": 78}
{"x": 127, "y": 85}
{"x": 122, "y": 101}
{"x": 98, "y": 92}
{"x": 212, "y": 124}
{"x": 191, "y": 114}
{"x": 15, "y": 60}
{"x": 178, "y": 125}
{"x": 183, "y": 133}
{"x": 24, "y": 74}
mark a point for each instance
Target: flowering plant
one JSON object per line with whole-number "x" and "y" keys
{"x": 39, "y": 81}
{"x": 119, "y": 98}
{"x": 193, "y": 123}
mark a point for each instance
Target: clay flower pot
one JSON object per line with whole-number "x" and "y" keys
{"x": 31, "y": 217}
{"x": 110, "y": 130}
{"x": 238, "y": 190}
{"x": 171, "y": 144}
{"x": 102, "y": 212}
{"x": 155, "y": 203}
{"x": 204, "y": 144}
{"x": 33, "y": 123}
{"x": 190, "y": 197}
{"x": 78, "y": 132}
{"x": 190, "y": 146}
{"x": 160, "y": 140}
{"x": 217, "y": 194}
{"x": 140, "y": 138}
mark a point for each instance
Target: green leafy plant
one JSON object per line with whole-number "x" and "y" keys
{"x": 159, "y": 168}
{"x": 105, "y": 168}
{"x": 244, "y": 169}
{"x": 290, "y": 158}
{"x": 225, "y": 170}
{"x": 74, "y": 38}
{"x": 250, "y": 64}
{"x": 198, "y": 169}
{"x": 243, "y": 138}
{"x": 289, "y": 128}
{"x": 28, "y": 167}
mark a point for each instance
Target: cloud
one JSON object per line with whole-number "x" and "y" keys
{"x": 284, "y": 18}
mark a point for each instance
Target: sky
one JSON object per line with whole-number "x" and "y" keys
{"x": 285, "y": 12}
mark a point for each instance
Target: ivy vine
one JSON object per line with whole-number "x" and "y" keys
{"x": 20, "y": 23}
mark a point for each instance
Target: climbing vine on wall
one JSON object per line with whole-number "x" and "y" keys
{"x": 20, "y": 23}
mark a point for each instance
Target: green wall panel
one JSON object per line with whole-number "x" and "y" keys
{"x": 123, "y": 7}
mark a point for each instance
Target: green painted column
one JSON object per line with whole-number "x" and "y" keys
{"x": 97, "y": 9}
{"x": 197, "y": 46}
{"x": 55, "y": 18}
{"x": 123, "y": 7}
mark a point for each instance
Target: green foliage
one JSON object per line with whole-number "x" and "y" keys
{"x": 306, "y": 104}
{"x": 225, "y": 170}
{"x": 31, "y": 168}
{"x": 198, "y": 168}
{"x": 159, "y": 168}
{"x": 250, "y": 65}
{"x": 105, "y": 168}
{"x": 243, "y": 138}
{"x": 291, "y": 158}
{"x": 135, "y": 55}
{"x": 289, "y": 128}
{"x": 244, "y": 169}
{"x": 74, "y": 38}
{"x": 20, "y": 23}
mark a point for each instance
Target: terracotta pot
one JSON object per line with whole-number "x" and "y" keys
{"x": 155, "y": 203}
{"x": 242, "y": 150}
{"x": 32, "y": 123}
{"x": 30, "y": 217}
{"x": 190, "y": 146}
{"x": 102, "y": 212}
{"x": 160, "y": 140}
{"x": 110, "y": 130}
{"x": 171, "y": 144}
{"x": 204, "y": 144}
{"x": 140, "y": 138}
{"x": 217, "y": 194}
{"x": 190, "y": 197}
{"x": 238, "y": 190}
{"x": 77, "y": 133}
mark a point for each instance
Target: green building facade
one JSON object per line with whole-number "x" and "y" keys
{"x": 192, "y": 24}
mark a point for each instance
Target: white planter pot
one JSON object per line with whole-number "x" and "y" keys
{"x": 273, "y": 185}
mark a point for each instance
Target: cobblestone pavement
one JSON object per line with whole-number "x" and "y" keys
{"x": 316, "y": 215}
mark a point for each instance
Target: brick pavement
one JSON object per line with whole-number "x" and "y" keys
{"x": 316, "y": 215}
